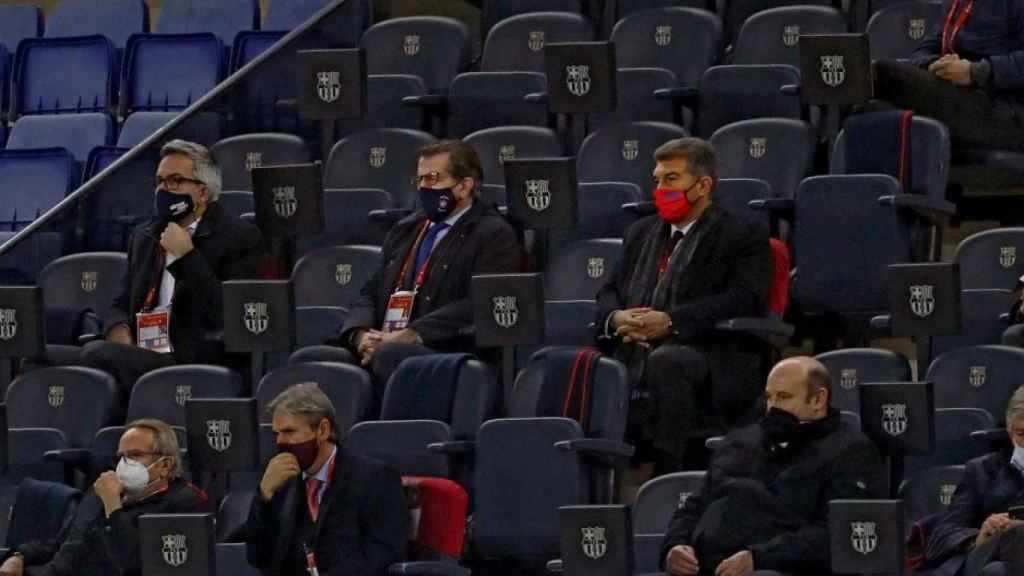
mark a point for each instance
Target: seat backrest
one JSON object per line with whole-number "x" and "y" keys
{"x": 624, "y": 152}
{"x": 980, "y": 310}
{"x": 930, "y": 491}
{"x": 345, "y": 25}
{"x": 977, "y": 377}
{"x": 334, "y": 275}
{"x": 600, "y": 215}
{"x": 87, "y": 281}
{"x": 384, "y": 158}
{"x": 115, "y": 19}
{"x": 203, "y": 128}
{"x": 17, "y": 22}
{"x": 40, "y": 511}
{"x": 163, "y": 393}
{"x": 431, "y": 47}
{"x": 777, "y": 150}
{"x": 52, "y": 75}
{"x": 517, "y": 43}
{"x": 318, "y": 323}
{"x": 26, "y": 451}
{"x": 347, "y": 386}
{"x": 566, "y": 323}
{"x": 583, "y": 268}
{"x": 238, "y": 155}
{"x": 839, "y": 219}
{"x": 495, "y": 145}
{"x": 345, "y": 215}
{"x": 660, "y": 497}
{"x": 77, "y": 401}
{"x": 232, "y": 517}
{"x": 496, "y": 11}
{"x": 384, "y": 106}
{"x": 854, "y": 366}
{"x": 402, "y": 444}
{"x": 734, "y": 196}
{"x": 895, "y": 31}
{"x": 953, "y": 443}
{"x": 773, "y": 36}
{"x": 737, "y": 12}
{"x": 237, "y": 202}
{"x": 224, "y": 18}
{"x": 76, "y": 133}
{"x": 478, "y": 100}
{"x": 168, "y": 72}
{"x": 685, "y": 41}
{"x": 989, "y": 259}
{"x": 35, "y": 180}
{"x": 738, "y": 92}
{"x": 232, "y": 557}
{"x": 119, "y": 203}
{"x": 636, "y": 100}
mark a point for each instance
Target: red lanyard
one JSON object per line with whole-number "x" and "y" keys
{"x": 408, "y": 261}
{"x": 150, "y": 301}
{"x": 951, "y": 28}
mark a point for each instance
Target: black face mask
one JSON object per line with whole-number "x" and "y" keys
{"x": 304, "y": 452}
{"x": 780, "y": 426}
{"x": 173, "y": 207}
{"x": 437, "y": 203}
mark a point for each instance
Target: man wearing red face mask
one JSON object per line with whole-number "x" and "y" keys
{"x": 682, "y": 271}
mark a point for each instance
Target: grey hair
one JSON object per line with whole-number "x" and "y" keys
{"x": 165, "y": 443}
{"x": 700, "y": 156}
{"x": 203, "y": 165}
{"x": 308, "y": 402}
{"x": 1015, "y": 408}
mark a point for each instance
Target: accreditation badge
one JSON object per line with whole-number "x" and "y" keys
{"x": 153, "y": 330}
{"x": 399, "y": 311}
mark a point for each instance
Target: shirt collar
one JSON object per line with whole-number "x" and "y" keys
{"x": 321, "y": 474}
{"x": 684, "y": 229}
{"x": 451, "y": 220}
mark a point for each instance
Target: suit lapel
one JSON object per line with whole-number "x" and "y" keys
{"x": 448, "y": 248}
{"x": 289, "y": 510}
{"x": 340, "y": 479}
{"x": 684, "y": 277}
{"x": 390, "y": 276}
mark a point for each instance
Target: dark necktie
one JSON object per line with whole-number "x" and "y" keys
{"x": 427, "y": 244}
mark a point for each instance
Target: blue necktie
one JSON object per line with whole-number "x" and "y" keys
{"x": 427, "y": 244}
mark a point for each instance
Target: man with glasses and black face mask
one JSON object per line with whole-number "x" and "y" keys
{"x": 320, "y": 505}
{"x": 103, "y": 537}
{"x": 171, "y": 293}
{"x": 418, "y": 300}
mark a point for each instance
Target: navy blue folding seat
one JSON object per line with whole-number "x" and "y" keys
{"x": 345, "y": 215}
{"x": 853, "y": 366}
{"x": 599, "y": 208}
{"x": 17, "y": 22}
{"x": 22, "y": 263}
{"x": 168, "y": 72}
{"x": 735, "y": 195}
{"x": 232, "y": 517}
{"x": 495, "y": 145}
{"x": 495, "y": 11}
{"x": 624, "y": 152}
{"x": 63, "y": 75}
{"x": 203, "y": 128}
{"x": 735, "y": 13}
{"x": 237, "y": 202}
{"x": 115, "y": 19}
{"x": 779, "y": 151}
{"x": 929, "y": 491}
{"x": 580, "y": 269}
{"x": 772, "y": 36}
{"x": 34, "y": 181}
{"x": 5, "y": 90}
{"x": 162, "y": 393}
{"x": 990, "y": 259}
{"x": 384, "y": 104}
{"x": 231, "y": 557}
{"x": 977, "y": 377}
{"x": 737, "y": 92}
{"x": 26, "y": 458}
{"x": 384, "y": 158}
{"x": 431, "y": 47}
{"x": 980, "y": 311}
{"x": 344, "y": 26}
{"x": 479, "y": 100}
{"x": 565, "y": 324}
{"x": 80, "y": 282}
{"x": 334, "y": 276}
{"x": 517, "y": 43}
{"x": 953, "y": 443}
{"x": 660, "y": 497}
{"x": 638, "y": 99}
{"x": 76, "y": 133}
{"x": 314, "y": 325}
{"x": 224, "y": 18}
{"x": 896, "y": 30}
{"x": 685, "y": 41}
{"x": 41, "y": 511}
{"x": 121, "y": 201}
{"x": 346, "y": 385}
{"x": 237, "y": 155}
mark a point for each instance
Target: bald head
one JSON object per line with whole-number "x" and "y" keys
{"x": 801, "y": 386}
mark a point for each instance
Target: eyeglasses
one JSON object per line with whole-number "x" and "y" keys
{"x": 428, "y": 180}
{"x": 132, "y": 455}
{"x": 173, "y": 182}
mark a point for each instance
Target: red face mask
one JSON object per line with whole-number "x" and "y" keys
{"x": 673, "y": 205}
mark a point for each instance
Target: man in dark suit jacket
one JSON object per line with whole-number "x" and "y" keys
{"x": 176, "y": 264}
{"x": 430, "y": 257}
{"x": 682, "y": 271}
{"x": 317, "y": 498}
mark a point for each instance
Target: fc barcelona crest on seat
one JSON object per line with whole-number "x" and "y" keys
{"x": 506, "y": 314}
{"x": 758, "y": 147}
{"x": 916, "y": 28}
{"x": 922, "y": 300}
{"x": 8, "y": 323}
{"x": 595, "y": 267}
{"x": 593, "y": 542}
{"x": 285, "y": 202}
{"x": 833, "y": 73}
{"x": 790, "y": 35}
{"x": 175, "y": 549}
{"x": 663, "y": 35}
{"x": 218, "y": 434}
{"x": 977, "y": 376}
{"x": 90, "y": 280}
{"x": 577, "y": 79}
{"x": 535, "y": 41}
{"x": 848, "y": 378}
{"x": 1007, "y": 256}
{"x": 182, "y": 392}
{"x": 256, "y": 317}
{"x": 864, "y": 537}
{"x": 328, "y": 85}
{"x": 343, "y": 274}
{"x": 894, "y": 419}
{"x": 630, "y": 149}
{"x": 538, "y": 194}
{"x": 55, "y": 396}
{"x": 411, "y": 45}
{"x": 378, "y": 156}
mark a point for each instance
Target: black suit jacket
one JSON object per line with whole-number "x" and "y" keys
{"x": 226, "y": 248}
{"x": 481, "y": 242}
{"x": 362, "y": 529}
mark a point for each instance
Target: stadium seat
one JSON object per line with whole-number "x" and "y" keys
{"x": 479, "y": 100}
{"x": 345, "y": 213}
{"x": 495, "y": 145}
{"x": 566, "y": 323}
{"x": 953, "y": 442}
{"x": 346, "y": 385}
{"x": 119, "y": 202}
{"x": 385, "y": 107}
{"x": 26, "y": 455}
{"x": 314, "y": 326}
{"x": 737, "y": 92}
{"x": 231, "y": 557}
{"x": 895, "y": 31}
{"x": 516, "y": 44}
{"x": 203, "y": 128}
{"x": 977, "y": 377}
{"x": 383, "y": 158}
{"x": 18, "y": 22}
{"x": 980, "y": 311}
{"x": 736, "y": 12}
{"x": 583, "y": 268}
{"x": 599, "y": 207}
{"x": 344, "y": 27}
{"x": 638, "y": 99}
{"x": 929, "y": 491}
{"x": 735, "y": 194}
{"x": 76, "y": 133}
{"x": 495, "y": 11}
{"x": 42, "y": 511}
{"x": 660, "y": 497}
{"x": 685, "y": 41}
{"x": 237, "y": 155}
{"x": 80, "y": 282}
{"x": 989, "y": 259}
{"x": 624, "y": 152}
{"x": 35, "y": 180}
{"x": 168, "y": 72}
{"x": 779, "y": 151}
{"x": 162, "y": 393}
{"x": 22, "y": 263}
{"x": 224, "y": 18}
{"x": 431, "y": 47}
{"x": 115, "y": 19}
{"x": 334, "y": 276}
{"x": 53, "y": 75}
{"x": 237, "y": 202}
{"x": 853, "y": 366}
{"x": 232, "y": 516}
{"x": 5, "y": 90}
{"x": 772, "y": 36}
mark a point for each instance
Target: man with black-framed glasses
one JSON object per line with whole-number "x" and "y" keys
{"x": 170, "y": 302}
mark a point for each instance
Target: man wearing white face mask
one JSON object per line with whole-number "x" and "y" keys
{"x": 103, "y": 538}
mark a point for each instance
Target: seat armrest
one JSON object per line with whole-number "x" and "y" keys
{"x": 432, "y": 102}
{"x": 554, "y": 566}
{"x": 286, "y": 105}
{"x": 714, "y": 443}
{"x": 428, "y": 569}
{"x": 452, "y": 447}
{"x": 389, "y": 215}
{"x": 781, "y": 207}
{"x": 69, "y": 455}
{"x": 790, "y": 89}
{"x": 604, "y": 453}
{"x": 536, "y": 98}
{"x": 647, "y": 553}
{"x": 1005, "y": 318}
{"x": 991, "y": 436}
{"x": 84, "y": 339}
{"x": 683, "y": 95}
{"x": 639, "y": 208}
{"x": 936, "y": 212}
{"x": 772, "y": 330}
{"x": 882, "y": 324}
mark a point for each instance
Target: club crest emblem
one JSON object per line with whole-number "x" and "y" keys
{"x": 922, "y": 300}
{"x": 175, "y": 551}
{"x": 595, "y": 267}
{"x": 506, "y": 152}
{"x": 411, "y": 45}
{"x": 630, "y": 149}
{"x": 662, "y": 35}
{"x": 577, "y": 78}
{"x": 946, "y": 492}
{"x": 978, "y": 375}
{"x": 538, "y": 194}
{"x": 256, "y": 317}
{"x": 378, "y": 156}
{"x": 863, "y": 536}
{"x": 894, "y": 419}
{"x": 593, "y": 542}
{"x": 758, "y": 147}
{"x": 343, "y": 274}
{"x": 90, "y": 280}
{"x": 535, "y": 41}
{"x": 253, "y": 160}
{"x": 328, "y": 85}
{"x": 683, "y": 497}
{"x": 916, "y": 28}
{"x": 218, "y": 434}
{"x": 182, "y": 392}
{"x": 55, "y": 396}
{"x": 848, "y": 378}
{"x": 8, "y": 323}
{"x": 1007, "y": 256}
{"x": 285, "y": 202}
{"x": 833, "y": 73}
{"x": 790, "y": 35}
{"x": 506, "y": 314}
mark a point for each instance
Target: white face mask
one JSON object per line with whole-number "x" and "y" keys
{"x": 134, "y": 475}
{"x": 1018, "y": 457}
